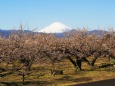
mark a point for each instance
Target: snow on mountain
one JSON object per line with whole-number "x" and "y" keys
{"x": 56, "y": 27}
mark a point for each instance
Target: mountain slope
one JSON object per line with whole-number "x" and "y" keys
{"x": 56, "y": 27}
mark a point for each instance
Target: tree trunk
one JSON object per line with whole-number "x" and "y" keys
{"x": 94, "y": 60}
{"x": 28, "y": 66}
{"x": 79, "y": 64}
{"x": 96, "y": 55}
{"x": 23, "y": 77}
{"x": 84, "y": 59}
{"x": 72, "y": 61}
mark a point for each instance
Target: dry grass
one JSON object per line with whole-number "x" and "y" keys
{"x": 41, "y": 75}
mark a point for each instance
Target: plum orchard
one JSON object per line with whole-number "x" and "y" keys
{"x": 20, "y": 51}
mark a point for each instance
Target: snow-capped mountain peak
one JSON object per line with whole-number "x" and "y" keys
{"x": 56, "y": 27}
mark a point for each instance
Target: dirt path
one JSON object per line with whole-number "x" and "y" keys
{"x": 110, "y": 82}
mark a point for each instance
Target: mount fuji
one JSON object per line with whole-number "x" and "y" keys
{"x": 55, "y": 27}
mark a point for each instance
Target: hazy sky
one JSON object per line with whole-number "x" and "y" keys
{"x": 40, "y": 13}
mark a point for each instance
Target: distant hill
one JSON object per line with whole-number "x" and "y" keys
{"x": 98, "y": 32}
{"x": 6, "y": 33}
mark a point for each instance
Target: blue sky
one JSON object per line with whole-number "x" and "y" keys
{"x": 40, "y": 13}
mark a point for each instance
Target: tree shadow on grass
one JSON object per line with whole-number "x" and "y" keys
{"x": 27, "y": 83}
{"x": 81, "y": 79}
{"x": 5, "y": 74}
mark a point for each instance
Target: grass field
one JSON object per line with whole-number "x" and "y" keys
{"x": 40, "y": 75}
